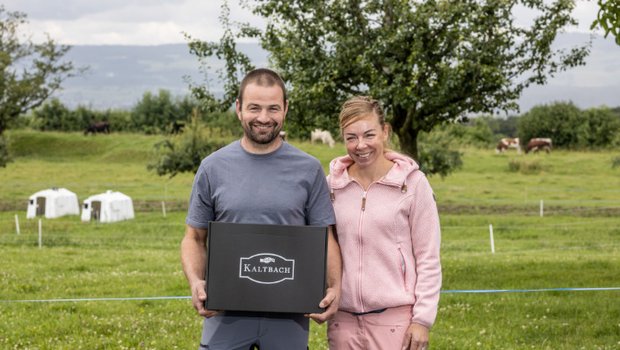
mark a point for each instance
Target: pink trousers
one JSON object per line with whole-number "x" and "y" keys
{"x": 372, "y": 331}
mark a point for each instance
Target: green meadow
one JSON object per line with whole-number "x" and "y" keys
{"x": 120, "y": 285}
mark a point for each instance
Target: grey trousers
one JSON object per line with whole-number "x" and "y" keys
{"x": 269, "y": 331}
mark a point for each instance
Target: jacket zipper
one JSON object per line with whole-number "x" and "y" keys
{"x": 361, "y": 251}
{"x": 364, "y": 201}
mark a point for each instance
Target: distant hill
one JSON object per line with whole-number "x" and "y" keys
{"x": 119, "y": 75}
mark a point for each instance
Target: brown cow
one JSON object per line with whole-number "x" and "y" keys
{"x": 95, "y": 127}
{"x": 507, "y": 143}
{"x": 538, "y": 144}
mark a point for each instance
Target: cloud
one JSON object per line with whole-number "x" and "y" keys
{"x": 64, "y": 10}
{"x": 147, "y": 22}
{"x": 124, "y": 22}
{"x": 103, "y": 32}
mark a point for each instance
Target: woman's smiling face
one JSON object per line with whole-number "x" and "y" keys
{"x": 365, "y": 140}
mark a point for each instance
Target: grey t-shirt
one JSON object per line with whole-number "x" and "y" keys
{"x": 286, "y": 187}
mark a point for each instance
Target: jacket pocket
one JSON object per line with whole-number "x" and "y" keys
{"x": 403, "y": 268}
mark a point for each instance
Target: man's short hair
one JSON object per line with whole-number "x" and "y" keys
{"x": 262, "y": 77}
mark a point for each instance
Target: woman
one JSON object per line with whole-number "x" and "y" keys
{"x": 388, "y": 229}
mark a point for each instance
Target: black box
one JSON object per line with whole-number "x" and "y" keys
{"x": 266, "y": 268}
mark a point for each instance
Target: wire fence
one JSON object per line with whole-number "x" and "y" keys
{"x": 187, "y": 297}
{"x": 8, "y": 224}
{"x": 67, "y": 229}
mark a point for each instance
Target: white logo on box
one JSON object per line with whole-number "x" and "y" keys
{"x": 267, "y": 268}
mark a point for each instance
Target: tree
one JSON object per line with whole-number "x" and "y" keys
{"x": 506, "y": 127}
{"x": 600, "y": 128}
{"x": 155, "y": 113}
{"x": 559, "y": 121}
{"x": 608, "y": 18}
{"x": 30, "y": 73}
{"x": 570, "y": 127}
{"x": 83, "y": 116}
{"x": 54, "y": 115}
{"x": 429, "y": 62}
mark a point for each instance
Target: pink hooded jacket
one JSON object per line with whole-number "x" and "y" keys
{"x": 389, "y": 239}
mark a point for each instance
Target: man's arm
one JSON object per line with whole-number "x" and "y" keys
{"x": 193, "y": 259}
{"x": 334, "y": 276}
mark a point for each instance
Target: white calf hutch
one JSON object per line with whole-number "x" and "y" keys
{"x": 107, "y": 207}
{"x": 53, "y": 203}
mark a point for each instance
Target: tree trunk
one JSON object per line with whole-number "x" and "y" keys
{"x": 3, "y": 123}
{"x": 407, "y": 135}
{"x": 409, "y": 142}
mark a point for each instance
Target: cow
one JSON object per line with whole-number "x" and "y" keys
{"x": 96, "y": 127}
{"x": 176, "y": 127}
{"x": 507, "y": 143}
{"x": 323, "y": 136}
{"x": 538, "y": 144}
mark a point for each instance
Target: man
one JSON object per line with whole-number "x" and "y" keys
{"x": 258, "y": 179}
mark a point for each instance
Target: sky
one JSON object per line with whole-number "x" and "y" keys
{"x": 155, "y": 22}
{"x": 125, "y": 22}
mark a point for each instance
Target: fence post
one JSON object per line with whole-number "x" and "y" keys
{"x": 492, "y": 240}
{"x": 541, "y": 208}
{"x": 17, "y": 224}
{"x": 163, "y": 208}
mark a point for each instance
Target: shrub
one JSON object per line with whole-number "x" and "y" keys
{"x": 155, "y": 113}
{"x": 184, "y": 152}
{"x": 436, "y": 155}
{"x": 224, "y": 124}
{"x": 21, "y": 122}
{"x": 525, "y": 167}
{"x": 55, "y": 116}
{"x": 120, "y": 120}
{"x": 84, "y": 116}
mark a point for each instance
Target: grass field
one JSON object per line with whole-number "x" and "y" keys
{"x": 575, "y": 245}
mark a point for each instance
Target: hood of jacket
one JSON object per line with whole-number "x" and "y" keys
{"x": 397, "y": 176}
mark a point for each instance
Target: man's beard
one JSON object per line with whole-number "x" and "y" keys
{"x": 262, "y": 138}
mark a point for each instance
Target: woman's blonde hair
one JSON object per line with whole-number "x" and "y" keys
{"x": 358, "y": 107}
